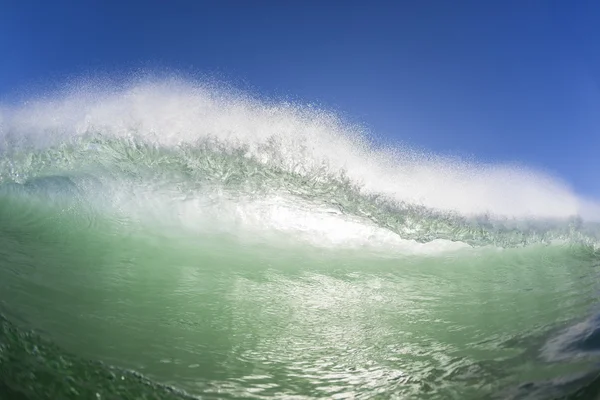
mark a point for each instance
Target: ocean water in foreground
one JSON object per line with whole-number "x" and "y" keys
{"x": 171, "y": 240}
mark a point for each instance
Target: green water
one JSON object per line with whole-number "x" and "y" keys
{"x": 223, "y": 317}
{"x": 166, "y": 242}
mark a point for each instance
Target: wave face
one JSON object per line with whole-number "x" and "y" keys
{"x": 228, "y": 246}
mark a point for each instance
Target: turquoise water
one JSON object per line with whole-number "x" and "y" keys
{"x": 171, "y": 240}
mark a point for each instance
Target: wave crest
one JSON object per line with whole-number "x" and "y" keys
{"x": 181, "y": 138}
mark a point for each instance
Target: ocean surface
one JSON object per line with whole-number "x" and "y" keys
{"x": 172, "y": 239}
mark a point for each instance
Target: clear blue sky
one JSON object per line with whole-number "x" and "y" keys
{"x": 499, "y": 81}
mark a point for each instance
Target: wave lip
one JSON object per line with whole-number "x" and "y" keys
{"x": 184, "y": 134}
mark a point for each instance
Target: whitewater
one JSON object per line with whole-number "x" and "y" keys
{"x": 178, "y": 238}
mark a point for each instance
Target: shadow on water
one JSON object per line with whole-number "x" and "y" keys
{"x": 33, "y": 368}
{"x": 579, "y": 342}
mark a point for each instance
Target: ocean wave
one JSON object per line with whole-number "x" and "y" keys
{"x": 175, "y": 114}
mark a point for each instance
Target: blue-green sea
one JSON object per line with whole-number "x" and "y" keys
{"x": 171, "y": 239}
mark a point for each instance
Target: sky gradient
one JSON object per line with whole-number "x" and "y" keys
{"x": 495, "y": 81}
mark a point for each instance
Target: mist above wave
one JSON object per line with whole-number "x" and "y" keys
{"x": 299, "y": 139}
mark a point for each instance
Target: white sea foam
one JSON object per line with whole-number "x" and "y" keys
{"x": 296, "y": 138}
